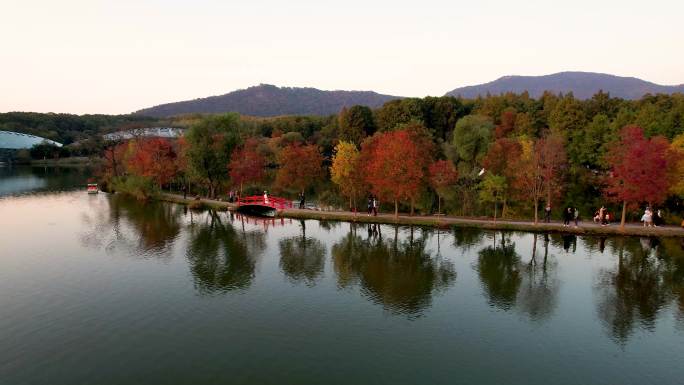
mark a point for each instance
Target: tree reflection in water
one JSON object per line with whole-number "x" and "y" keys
{"x": 398, "y": 274}
{"x": 509, "y": 283}
{"x": 647, "y": 278}
{"x": 302, "y": 258}
{"x": 222, "y": 258}
{"x": 539, "y": 290}
{"x": 144, "y": 229}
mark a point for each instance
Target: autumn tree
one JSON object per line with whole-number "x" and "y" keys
{"x": 395, "y": 165}
{"x": 346, "y": 172}
{"x": 502, "y": 159}
{"x": 115, "y": 160}
{"x": 639, "y": 169}
{"x": 299, "y": 167}
{"x": 153, "y": 158}
{"x": 210, "y": 144}
{"x": 246, "y": 164}
{"x": 550, "y": 152}
{"x": 355, "y": 124}
{"x": 529, "y": 185}
{"x": 443, "y": 175}
{"x": 676, "y": 166}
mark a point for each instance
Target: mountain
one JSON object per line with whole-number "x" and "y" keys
{"x": 582, "y": 84}
{"x": 268, "y": 100}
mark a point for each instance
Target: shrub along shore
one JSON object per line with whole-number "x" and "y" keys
{"x": 584, "y": 228}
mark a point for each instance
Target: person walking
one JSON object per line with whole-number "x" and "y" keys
{"x": 302, "y": 200}
{"x": 185, "y": 192}
{"x": 567, "y": 216}
{"x": 375, "y": 207}
{"x": 547, "y": 213}
{"x": 602, "y": 215}
{"x": 370, "y": 205}
{"x": 576, "y": 215}
{"x": 647, "y": 218}
{"x": 658, "y": 218}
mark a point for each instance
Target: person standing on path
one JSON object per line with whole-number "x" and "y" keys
{"x": 602, "y": 215}
{"x": 547, "y": 213}
{"x": 375, "y": 207}
{"x": 576, "y": 215}
{"x": 567, "y": 216}
{"x": 302, "y": 200}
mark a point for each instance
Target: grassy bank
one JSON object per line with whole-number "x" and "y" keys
{"x": 445, "y": 221}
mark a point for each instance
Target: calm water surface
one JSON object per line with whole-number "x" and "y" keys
{"x": 105, "y": 290}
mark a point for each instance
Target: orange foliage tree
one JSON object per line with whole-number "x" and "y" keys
{"x": 639, "y": 169}
{"x": 300, "y": 166}
{"x": 246, "y": 164}
{"x": 395, "y": 165}
{"x": 153, "y": 158}
{"x": 502, "y": 159}
{"x": 443, "y": 175}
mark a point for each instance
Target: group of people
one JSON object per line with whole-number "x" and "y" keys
{"x": 372, "y": 206}
{"x": 569, "y": 214}
{"x": 651, "y": 219}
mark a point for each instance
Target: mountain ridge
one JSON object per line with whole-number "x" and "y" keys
{"x": 266, "y": 100}
{"x": 583, "y": 85}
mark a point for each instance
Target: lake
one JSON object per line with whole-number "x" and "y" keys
{"x": 100, "y": 289}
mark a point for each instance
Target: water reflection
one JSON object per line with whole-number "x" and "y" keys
{"x": 222, "y": 258}
{"x": 24, "y": 179}
{"x": 142, "y": 230}
{"x": 510, "y": 283}
{"x": 499, "y": 268}
{"x": 302, "y": 258}
{"x": 647, "y": 277}
{"x": 538, "y": 295}
{"x": 398, "y": 274}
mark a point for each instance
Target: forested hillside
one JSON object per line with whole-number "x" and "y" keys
{"x": 267, "y": 100}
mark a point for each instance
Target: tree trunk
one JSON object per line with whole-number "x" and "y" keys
{"x": 624, "y": 210}
{"x": 536, "y": 207}
{"x": 494, "y": 211}
{"x": 396, "y": 208}
{"x": 411, "y": 206}
{"x": 439, "y": 204}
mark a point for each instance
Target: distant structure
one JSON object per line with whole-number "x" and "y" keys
{"x": 150, "y": 132}
{"x": 16, "y": 141}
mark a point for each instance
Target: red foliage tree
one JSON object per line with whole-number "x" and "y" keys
{"x": 153, "y": 158}
{"x": 300, "y": 166}
{"x": 443, "y": 175}
{"x": 507, "y": 124}
{"x": 395, "y": 165}
{"x": 552, "y": 160}
{"x": 246, "y": 164}
{"x": 639, "y": 169}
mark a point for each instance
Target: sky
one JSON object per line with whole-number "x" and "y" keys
{"x": 119, "y": 56}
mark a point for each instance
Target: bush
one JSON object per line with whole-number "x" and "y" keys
{"x": 140, "y": 188}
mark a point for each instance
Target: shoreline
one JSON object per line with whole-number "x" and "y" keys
{"x": 631, "y": 229}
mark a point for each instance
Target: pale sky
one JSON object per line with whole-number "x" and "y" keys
{"x": 89, "y": 56}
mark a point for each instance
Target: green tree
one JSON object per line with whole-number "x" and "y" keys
{"x": 492, "y": 190}
{"x": 210, "y": 144}
{"x": 356, "y": 123}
